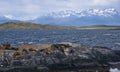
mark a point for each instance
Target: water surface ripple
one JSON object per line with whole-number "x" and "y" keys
{"x": 108, "y": 38}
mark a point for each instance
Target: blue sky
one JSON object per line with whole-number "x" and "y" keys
{"x": 30, "y": 9}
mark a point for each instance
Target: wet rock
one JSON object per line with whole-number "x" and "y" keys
{"x": 43, "y": 69}
{"x": 63, "y": 56}
{"x": 16, "y": 63}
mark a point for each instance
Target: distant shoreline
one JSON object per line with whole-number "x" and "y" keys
{"x": 27, "y": 25}
{"x": 101, "y": 27}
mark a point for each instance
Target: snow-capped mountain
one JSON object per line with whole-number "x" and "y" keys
{"x": 4, "y": 19}
{"x": 108, "y": 16}
{"x": 82, "y": 13}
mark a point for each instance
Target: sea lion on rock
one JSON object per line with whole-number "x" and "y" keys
{"x": 7, "y": 45}
{"x": 47, "y": 51}
{"x": 17, "y": 54}
{"x": 60, "y": 46}
{"x": 31, "y": 47}
{"x": 63, "y": 47}
{"x": 69, "y": 44}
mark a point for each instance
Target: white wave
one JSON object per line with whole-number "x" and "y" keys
{"x": 117, "y": 43}
{"x": 30, "y": 42}
{"x": 20, "y": 42}
{"x": 114, "y": 70}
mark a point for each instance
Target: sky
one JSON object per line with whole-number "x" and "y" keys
{"x": 30, "y": 9}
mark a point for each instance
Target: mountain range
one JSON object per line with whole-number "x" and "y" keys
{"x": 88, "y": 17}
{"x": 4, "y": 19}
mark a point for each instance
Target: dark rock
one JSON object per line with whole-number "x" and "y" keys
{"x": 16, "y": 63}
{"x": 63, "y": 56}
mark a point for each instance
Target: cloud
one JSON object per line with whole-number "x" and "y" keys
{"x": 93, "y": 3}
{"x": 32, "y": 8}
{"x": 105, "y": 2}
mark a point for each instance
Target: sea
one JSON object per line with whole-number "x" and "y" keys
{"x": 105, "y": 38}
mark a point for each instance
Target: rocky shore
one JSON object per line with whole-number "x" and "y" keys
{"x": 60, "y": 57}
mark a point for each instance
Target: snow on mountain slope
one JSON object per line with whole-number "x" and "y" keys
{"x": 82, "y": 13}
{"x": 6, "y": 18}
{"x": 108, "y": 16}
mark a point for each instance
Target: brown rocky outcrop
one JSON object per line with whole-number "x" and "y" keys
{"x": 17, "y": 54}
{"x": 61, "y": 56}
{"x": 31, "y": 47}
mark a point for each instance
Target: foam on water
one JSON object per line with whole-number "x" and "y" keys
{"x": 117, "y": 43}
{"x": 114, "y": 70}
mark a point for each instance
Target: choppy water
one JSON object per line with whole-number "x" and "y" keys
{"x": 108, "y": 38}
